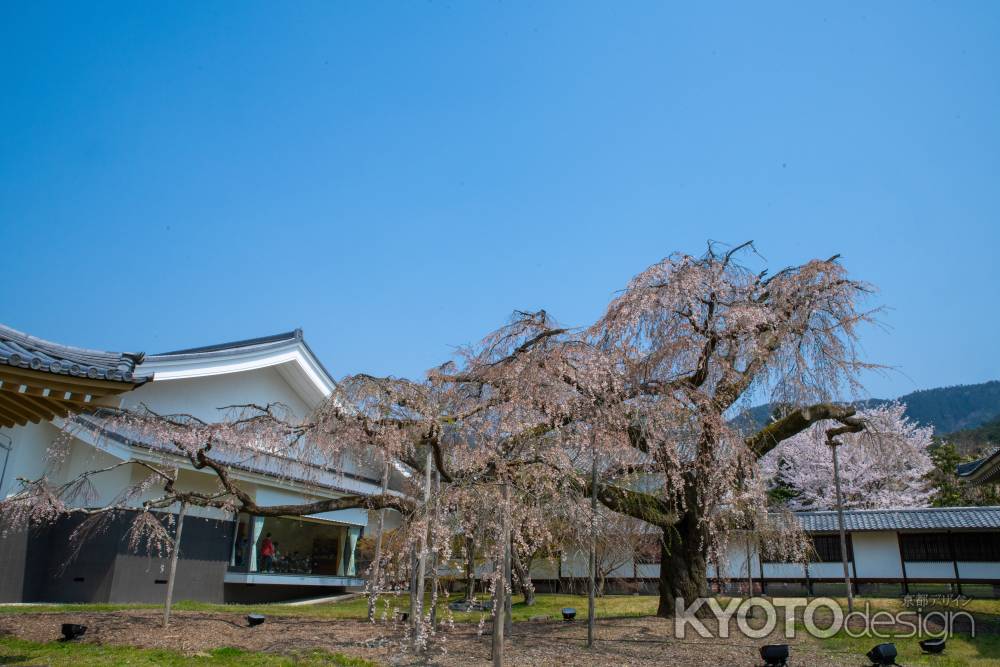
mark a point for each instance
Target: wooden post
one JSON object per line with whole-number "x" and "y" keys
{"x": 173, "y": 565}
{"x": 413, "y": 585}
{"x": 559, "y": 583}
{"x": 592, "y": 590}
{"x": 422, "y": 555}
{"x": 954, "y": 562}
{"x": 377, "y": 565}
{"x": 749, "y": 571}
{"x": 508, "y": 612}
{"x": 760, "y": 571}
{"x": 843, "y": 534}
{"x": 498, "y": 599}
{"x": 434, "y": 562}
{"x": 902, "y": 564}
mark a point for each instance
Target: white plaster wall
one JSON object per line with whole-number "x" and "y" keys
{"x": 877, "y": 555}
{"x": 202, "y": 396}
{"x": 187, "y": 480}
{"x": 545, "y": 568}
{"x": 649, "y": 570}
{"x": 576, "y": 563}
{"x": 107, "y": 485}
{"x": 784, "y": 571}
{"x": 826, "y": 570}
{"x": 943, "y": 570}
{"x": 968, "y": 570}
{"x": 736, "y": 560}
{"x": 27, "y": 457}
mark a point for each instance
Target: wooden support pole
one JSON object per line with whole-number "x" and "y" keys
{"x": 422, "y": 554}
{"x": 499, "y": 605}
{"x": 843, "y": 533}
{"x": 173, "y": 565}
{"x": 377, "y": 564}
{"x": 592, "y": 589}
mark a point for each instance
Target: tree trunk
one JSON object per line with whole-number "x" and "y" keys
{"x": 683, "y": 565}
{"x": 470, "y": 568}
{"x": 523, "y": 577}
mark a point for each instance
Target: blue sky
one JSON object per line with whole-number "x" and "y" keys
{"x": 396, "y": 178}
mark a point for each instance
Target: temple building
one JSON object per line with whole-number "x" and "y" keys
{"x": 44, "y": 384}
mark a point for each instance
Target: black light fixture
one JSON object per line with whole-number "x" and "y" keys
{"x": 933, "y": 645}
{"x": 255, "y": 619}
{"x": 71, "y": 631}
{"x": 883, "y": 654}
{"x": 569, "y": 613}
{"x": 774, "y": 654}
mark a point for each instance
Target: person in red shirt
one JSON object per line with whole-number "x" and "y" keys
{"x": 267, "y": 553}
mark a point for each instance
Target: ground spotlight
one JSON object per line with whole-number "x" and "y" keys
{"x": 255, "y": 619}
{"x": 932, "y": 645}
{"x": 569, "y": 613}
{"x": 72, "y": 631}
{"x": 774, "y": 654}
{"x": 883, "y": 654}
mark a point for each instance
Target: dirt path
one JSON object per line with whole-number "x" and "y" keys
{"x": 633, "y": 641}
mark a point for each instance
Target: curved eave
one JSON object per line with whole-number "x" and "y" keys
{"x": 984, "y": 471}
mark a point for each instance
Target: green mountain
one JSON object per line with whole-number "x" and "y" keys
{"x": 976, "y": 440}
{"x": 948, "y": 409}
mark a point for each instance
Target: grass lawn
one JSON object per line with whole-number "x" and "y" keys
{"x": 979, "y": 651}
{"x": 547, "y": 605}
{"x": 18, "y": 652}
{"x": 982, "y": 651}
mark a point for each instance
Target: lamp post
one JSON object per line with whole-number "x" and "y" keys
{"x": 840, "y": 523}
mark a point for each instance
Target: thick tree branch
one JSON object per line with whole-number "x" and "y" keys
{"x": 795, "y": 422}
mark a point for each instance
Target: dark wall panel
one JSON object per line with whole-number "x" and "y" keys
{"x": 201, "y": 567}
{"x": 76, "y": 575}
{"x": 13, "y": 552}
{"x": 105, "y": 570}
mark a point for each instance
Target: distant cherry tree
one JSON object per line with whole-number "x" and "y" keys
{"x": 884, "y": 465}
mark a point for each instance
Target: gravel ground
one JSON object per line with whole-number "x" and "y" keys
{"x": 631, "y": 641}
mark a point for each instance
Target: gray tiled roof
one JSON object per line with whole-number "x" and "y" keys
{"x": 935, "y": 518}
{"x": 20, "y": 350}
{"x": 262, "y": 341}
{"x": 272, "y": 465}
{"x": 249, "y": 345}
